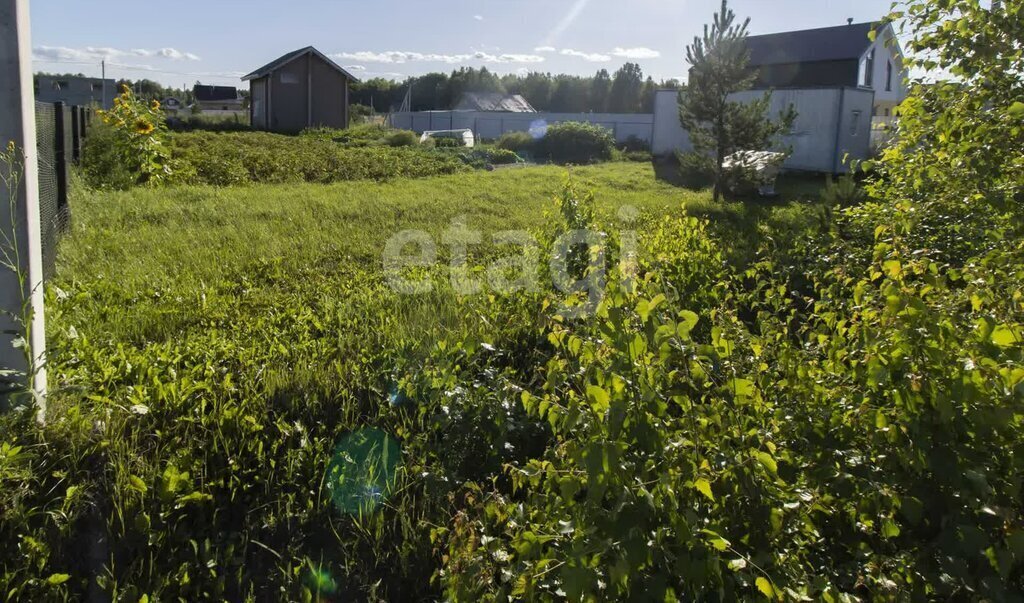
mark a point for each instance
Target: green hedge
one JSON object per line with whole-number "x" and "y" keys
{"x": 225, "y": 159}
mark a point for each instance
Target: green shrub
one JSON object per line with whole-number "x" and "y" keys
{"x": 402, "y": 138}
{"x": 517, "y": 142}
{"x": 576, "y": 143}
{"x": 842, "y": 192}
{"x": 696, "y": 170}
{"x": 447, "y": 142}
{"x": 101, "y": 165}
{"x": 503, "y": 157}
{"x": 225, "y": 159}
{"x": 634, "y": 143}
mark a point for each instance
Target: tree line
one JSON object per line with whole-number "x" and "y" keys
{"x": 625, "y": 91}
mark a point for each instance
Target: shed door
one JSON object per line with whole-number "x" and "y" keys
{"x": 259, "y": 104}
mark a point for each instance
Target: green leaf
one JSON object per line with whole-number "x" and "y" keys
{"x": 704, "y": 487}
{"x": 890, "y": 529}
{"x": 768, "y": 462}
{"x": 57, "y": 579}
{"x": 687, "y": 321}
{"x": 742, "y": 388}
{"x": 1016, "y": 109}
{"x": 765, "y": 587}
{"x": 136, "y": 483}
{"x": 598, "y": 398}
{"x": 893, "y": 268}
{"x": 1004, "y": 336}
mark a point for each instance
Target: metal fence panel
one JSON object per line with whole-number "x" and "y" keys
{"x": 54, "y": 145}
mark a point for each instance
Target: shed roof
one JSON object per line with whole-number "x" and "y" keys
{"x": 839, "y": 43}
{"x": 494, "y": 101}
{"x": 291, "y": 56}
{"x": 215, "y": 93}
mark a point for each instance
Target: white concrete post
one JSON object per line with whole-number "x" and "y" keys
{"x": 18, "y": 124}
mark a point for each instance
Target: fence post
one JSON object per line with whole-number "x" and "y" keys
{"x": 60, "y": 153}
{"x": 21, "y": 290}
{"x": 76, "y": 134}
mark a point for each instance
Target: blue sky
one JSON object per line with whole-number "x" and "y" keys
{"x": 179, "y": 43}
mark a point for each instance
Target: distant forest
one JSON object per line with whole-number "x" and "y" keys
{"x": 625, "y": 91}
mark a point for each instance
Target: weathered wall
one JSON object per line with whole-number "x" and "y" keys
{"x": 289, "y": 97}
{"x": 493, "y": 124}
{"x": 831, "y": 123}
{"x": 330, "y": 108}
{"x": 81, "y": 91}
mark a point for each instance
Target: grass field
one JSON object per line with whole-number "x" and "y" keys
{"x": 233, "y": 335}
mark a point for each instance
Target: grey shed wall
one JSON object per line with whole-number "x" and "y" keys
{"x": 306, "y": 92}
{"x": 833, "y": 125}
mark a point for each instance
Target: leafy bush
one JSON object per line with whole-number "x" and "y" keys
{"x": 696, "y": 170}
{"x": 132, "y": 146}
{"x": 225, "y": 159}
{"x": 447, "y": 142}
{"x": 402, "y": 138}
{"x": 634, "y": 143}
{"x": 517, "y": 142}
{"x": 503, "y": 157}
{"x": 576, "y": 143}
{"x": 842, "y": 192}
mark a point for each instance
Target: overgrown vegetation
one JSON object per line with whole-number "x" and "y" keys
{"x": 839, "y": 419}
{"x": 718, "y": 127}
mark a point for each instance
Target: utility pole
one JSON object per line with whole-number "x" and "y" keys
{"x": 103, "y": 72}
{"x": 21, "y": 283}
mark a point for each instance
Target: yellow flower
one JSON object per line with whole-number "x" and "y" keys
{"x": 125, "y": 89}
{"x": 156, "y": 105}
{"x": 143, "y": 127}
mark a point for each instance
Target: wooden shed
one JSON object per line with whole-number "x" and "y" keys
{"x": 302, "y": 89}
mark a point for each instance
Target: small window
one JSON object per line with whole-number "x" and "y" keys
{"x": 97, "y": 87}
{"x": 888, "y": 76}
{"x": 887, "y": 112}
{"x": 868, "y": 77}
{"x": 60, "y": 85}
{"x": 855, "y": 123}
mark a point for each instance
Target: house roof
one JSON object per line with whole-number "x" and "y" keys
{"x": 839, "y": 43}
{"x": 494, "y": 101}
{"x": 215, "y": 93}
{"x": 291, "y": 56}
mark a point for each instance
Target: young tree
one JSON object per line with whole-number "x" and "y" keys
{"x": 627, "y": 86}
{"x": 600, "y": 87}
{"x": 719, "y": 127}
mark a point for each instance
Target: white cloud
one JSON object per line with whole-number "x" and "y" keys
{"x": 508, "y": 58}
{"x": 478, "y": 17}
{"x": 94, "y": 54}
{"x": 355, "y": 67}
{"x": 636, "y": 53}
{"x": 399, "y": 57}
{"x": 592, "y": 57}
{"x": 545, "y": 49}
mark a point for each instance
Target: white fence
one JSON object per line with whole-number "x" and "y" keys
{"x": 491, "y": 125}
{"x": 833, "y": 126}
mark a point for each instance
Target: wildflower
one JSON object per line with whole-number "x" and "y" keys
{"x": 143, "y": 127}
{"x": 155, "y": 105}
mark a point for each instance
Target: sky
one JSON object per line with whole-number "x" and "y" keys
{"x": 216, "y": 42}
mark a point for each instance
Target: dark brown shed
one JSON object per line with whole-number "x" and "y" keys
{"x": 302, "y": 89}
